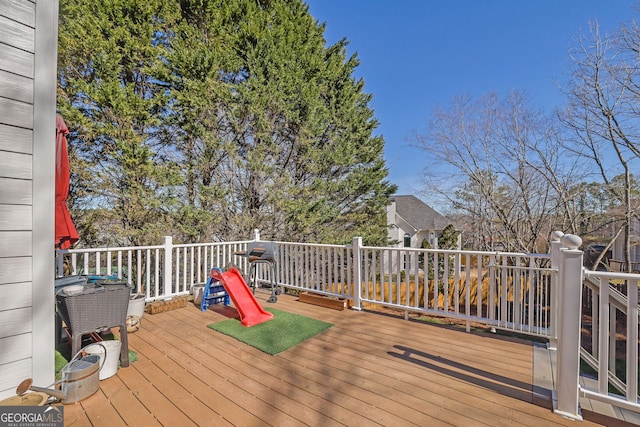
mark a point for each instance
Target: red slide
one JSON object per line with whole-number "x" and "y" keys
{"x": 251, "y": 313}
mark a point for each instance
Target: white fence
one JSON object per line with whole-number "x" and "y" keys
{"x": 145, "y": 267}
{"x": 322, "y": 269}
{"x": 513, "y": 291}
{"x": 610, "y": 318}
{"x": 504, "y": 290}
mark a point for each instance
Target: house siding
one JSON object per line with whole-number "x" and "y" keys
{"x": 617, "y": 250}
{"x": 28, "y": 40}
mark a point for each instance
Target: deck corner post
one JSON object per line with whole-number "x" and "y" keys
{"x": 357, "y": 272}
{"x": 167, "y": 247}
{"x": 569, "y": 316}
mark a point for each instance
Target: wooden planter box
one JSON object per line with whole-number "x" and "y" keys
{"x": 324, "y": 301}
{"x": 162, "y": 306}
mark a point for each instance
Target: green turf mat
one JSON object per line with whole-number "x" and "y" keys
{"x": 282, "y": 332}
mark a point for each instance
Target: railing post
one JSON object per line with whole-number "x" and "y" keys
{"x": 60, "y": 264}
{"x": 256, "y": 234}
{"x": 357, "y": 272}
{"x": 167, "y": 274}
{"x": 554, "y": 297}
{"x": 570, "y": 312}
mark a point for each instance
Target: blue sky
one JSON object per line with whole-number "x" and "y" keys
{"x": 418, "y": 54}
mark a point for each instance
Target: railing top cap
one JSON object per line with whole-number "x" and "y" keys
{"x": 556, "y": 236}
{"x": 571, "y": 241}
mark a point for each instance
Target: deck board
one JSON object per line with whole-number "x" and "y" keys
{"x": 121, "y": 397}
{"x": 369, "y": 369}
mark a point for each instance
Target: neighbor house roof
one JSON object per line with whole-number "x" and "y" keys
{"x": 418, "y": 214}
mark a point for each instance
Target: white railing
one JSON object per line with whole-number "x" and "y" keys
{"x": 591, "y": 303}
{"x": 511, "y": 291}
{"x": 610, "y": 316}
{"x": 192, "y": 263}
{"x": 539, "y": 295}
{"x": 322, "y": 269}
{"x": 144, "y": 267}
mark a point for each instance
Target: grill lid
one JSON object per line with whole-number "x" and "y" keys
{"x": 261, "y": 251}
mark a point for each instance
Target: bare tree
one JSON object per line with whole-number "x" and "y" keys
{"x": 505, "y": 163}
{"x": 602, "y": 117}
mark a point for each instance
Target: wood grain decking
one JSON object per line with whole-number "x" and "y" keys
{"x": 369, "y": 369}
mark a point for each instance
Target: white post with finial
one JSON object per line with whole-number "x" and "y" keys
{"x": 569, "y": 316}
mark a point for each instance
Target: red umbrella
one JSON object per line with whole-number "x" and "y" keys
{"x": 66, "y": 234}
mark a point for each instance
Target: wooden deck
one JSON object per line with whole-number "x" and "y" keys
{"x": 369, "y": 369}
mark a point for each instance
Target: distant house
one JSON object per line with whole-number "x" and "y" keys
{"x": 618, "y": 247}
{"x": 411, "y": 221}
{"x": 28, "y": 48}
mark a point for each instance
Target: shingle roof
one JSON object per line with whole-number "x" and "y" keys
{"x": 420, "y": 215}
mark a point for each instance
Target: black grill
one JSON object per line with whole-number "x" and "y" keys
{"x": 261, "y": 251}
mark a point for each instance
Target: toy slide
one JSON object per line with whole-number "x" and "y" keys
{"x": 251, "y": 313}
